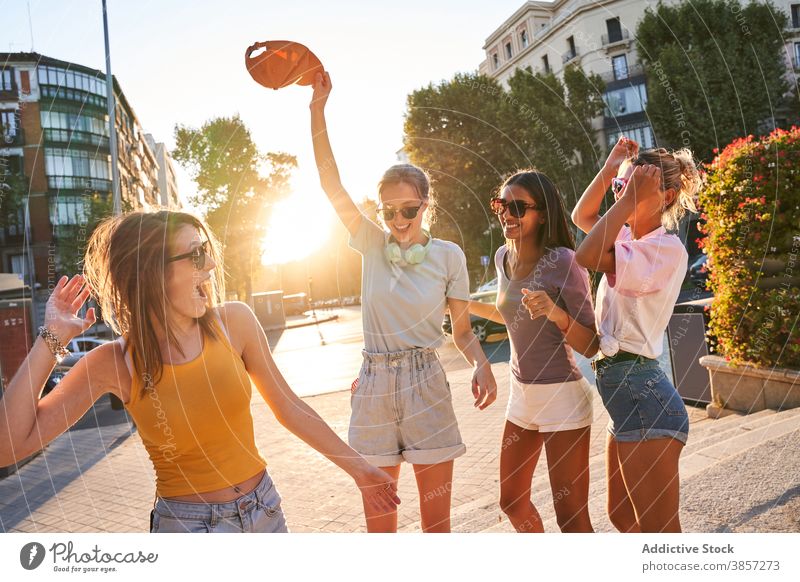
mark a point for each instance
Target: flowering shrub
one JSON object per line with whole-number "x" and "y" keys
{"x": 751, "y": 204}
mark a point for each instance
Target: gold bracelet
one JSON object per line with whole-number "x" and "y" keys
{"x": 58, "y": 350}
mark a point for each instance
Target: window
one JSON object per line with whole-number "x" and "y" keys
{"x": 614, "y": 30}
{"x": 17, "y": 264}
{"x": 795, "y": 15}
{"x": 620, "y": 64}
{"x": 545, "y": 64}
{"x": 6, "y": 79}
{"x": 626, "y": 100}
{"x": 68, "y": 210}
{"x": 72, "y": 80}
{"x": 509, "y": 54}
{"x": 70, "y": 162}
{"x": 571, "y": 45}
{"x": 8, "y": 125}
{"x": 641, "y": 134}
{"x": 495, "y": 61}
{"x": 797, "y": 55}
{"x": 523, "y": 38}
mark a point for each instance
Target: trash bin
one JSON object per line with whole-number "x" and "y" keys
{"x": 268, "y": 307}
{"x": 686, "y": 335}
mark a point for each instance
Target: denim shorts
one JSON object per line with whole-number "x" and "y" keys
{"x": 256, "y": 512}
{"x": 402, "y": 410}
{"x": 641, "y": 401}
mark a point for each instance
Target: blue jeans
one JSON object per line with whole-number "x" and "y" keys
{"x": 641, "y": 401}
{"x": 258, "y": 511}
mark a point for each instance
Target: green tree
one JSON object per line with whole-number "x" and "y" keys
{"x": 715, "y": 71}
{"x": 236, "y": 187}
{"x": 470, "y": 133}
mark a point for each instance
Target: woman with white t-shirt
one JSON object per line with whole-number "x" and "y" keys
{"x": 644, "y": 268}
{"x": 401, "y": 404}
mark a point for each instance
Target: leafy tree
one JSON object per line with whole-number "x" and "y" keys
{"x": 470, "y": 133}
{"x": 715, "y": 71}
{"x": 236, "y": 187}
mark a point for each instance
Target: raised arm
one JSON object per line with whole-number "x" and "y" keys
{"x": 587, "y": 211}
{"x": 378, "y": 488}
{"x": 29, "y": 422}
{"x": 329, "y": 178}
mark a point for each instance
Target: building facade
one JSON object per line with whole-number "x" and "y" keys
{"x": 55, "y": 135}
{"x": 167, "y": 182}
{"x": 597, "y": 35}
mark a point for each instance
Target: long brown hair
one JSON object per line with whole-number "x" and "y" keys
{"x": 555, "y": 231}
{"x": 125, "y": 265}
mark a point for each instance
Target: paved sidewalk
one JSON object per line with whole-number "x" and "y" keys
{"x": 74, "y": 486}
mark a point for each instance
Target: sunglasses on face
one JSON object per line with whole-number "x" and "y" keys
{"x": 197, "y": 254}
{"x": 517, "y": 208}
{"x": 618, "y": 184}
{"x": 409, "y": 212}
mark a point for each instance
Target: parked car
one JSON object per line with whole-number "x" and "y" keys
{"x": 490, "y": 286}
{"x": 482, "y": 328}
{"x": 79, "y": 347}
{"x": 698, "y": 273}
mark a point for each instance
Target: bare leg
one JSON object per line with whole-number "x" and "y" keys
{"x": 650, "y": 470}
{"x": 619, "y": 505}
{"x": 520, "y": 452}
{"x": 568, "y": 464}
{"x": 434, "y": 483}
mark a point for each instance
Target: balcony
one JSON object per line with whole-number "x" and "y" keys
{"x": 569, "y": 57}
{"x": 83, "y": 183}
{"x": 66, "y": 93}
{"x": 65, "y": 136}
{"x": 634, "y": 70}
{"x": 10, "y": 140}
{"x": 611, "y": 41}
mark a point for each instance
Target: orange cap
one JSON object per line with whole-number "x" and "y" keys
{"x": 282, "y": 63}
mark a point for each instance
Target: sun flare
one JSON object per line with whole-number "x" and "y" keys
{"x": 298, "y": 226}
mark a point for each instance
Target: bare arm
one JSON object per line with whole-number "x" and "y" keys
{"x": 486, "y": 310}
{"x": 587, "y": 211}
{"x": 297, "y": 416}
{"x": 597, "y": 249}
{"x": 484, "y": 386}
{"x": 581, "y": 338}
{"x": 329, "y": 178}
{"x": 29, "y": 422}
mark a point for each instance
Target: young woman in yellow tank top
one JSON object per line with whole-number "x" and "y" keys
{"x": 183, "y": 367}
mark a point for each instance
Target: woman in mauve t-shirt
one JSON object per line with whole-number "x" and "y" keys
{"x": 545, "y": 302}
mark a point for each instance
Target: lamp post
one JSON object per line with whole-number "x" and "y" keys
{"x": 111, "y": 105}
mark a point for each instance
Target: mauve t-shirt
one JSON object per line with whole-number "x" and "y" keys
{"x": 539, "y": 352}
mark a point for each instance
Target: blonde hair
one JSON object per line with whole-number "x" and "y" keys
{"x": 415, "y": 177}
{"x": 678, "y": 172}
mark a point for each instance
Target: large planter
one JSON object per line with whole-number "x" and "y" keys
{"x": 749, "y": 389}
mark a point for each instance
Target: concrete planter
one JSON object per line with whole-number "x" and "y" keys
{"x": 749, "y": 389}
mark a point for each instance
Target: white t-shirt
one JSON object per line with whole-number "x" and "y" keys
{"x": 403, "y": 307}
{"x": 634, "y": 305}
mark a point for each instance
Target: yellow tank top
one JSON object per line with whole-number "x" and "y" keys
{"x": 196, "y": 423}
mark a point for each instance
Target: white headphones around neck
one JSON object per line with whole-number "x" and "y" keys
{"x": 413, "y": 255}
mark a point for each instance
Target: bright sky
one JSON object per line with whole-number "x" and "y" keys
{"x": 183, "y": 62}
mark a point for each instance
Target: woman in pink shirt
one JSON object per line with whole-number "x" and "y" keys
{"x": 644, "y": 268}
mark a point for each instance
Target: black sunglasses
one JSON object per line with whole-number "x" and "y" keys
{"x": 409, "y": 212}
{"x": 197, "y": 254}
{"x": 517, "y": 208}
{"x": 618, "y": 184}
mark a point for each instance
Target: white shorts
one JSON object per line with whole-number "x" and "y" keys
{"x": 550, "y": 407}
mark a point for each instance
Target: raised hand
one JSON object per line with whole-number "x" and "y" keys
{"x": 322, "y": 89}
{"x": 624, "y": 149}
{"x": 61, "y": 312}
{"x": 378, "y": 488}
{"x": 644, "y": 185}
